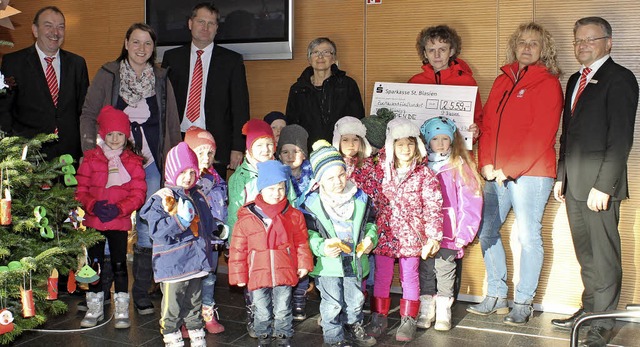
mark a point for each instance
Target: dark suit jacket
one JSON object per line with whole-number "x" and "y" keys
{"x": 28, "y": 110}
{"x": 597, "y": 139}
{"x": 226, "y": 102}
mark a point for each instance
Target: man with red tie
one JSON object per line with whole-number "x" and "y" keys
{"x": 597, "y": 133}
{"x": 211, "y": 87}
{"x": 51, "y": 85}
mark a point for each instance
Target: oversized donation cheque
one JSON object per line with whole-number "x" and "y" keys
{"x": 420, "y": 102}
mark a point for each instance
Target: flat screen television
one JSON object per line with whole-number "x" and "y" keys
{"x": 257, "y": 29}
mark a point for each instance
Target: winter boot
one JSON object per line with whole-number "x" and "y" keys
{"x": 184, "y": 332}
{"x": 173, "y": 340}
{"x": 427, "y": 311}
{"x": 122, "y": 310}
{"x": 82, "y": 305}
{"x": 142, "y": 280}
{"x": 95, "y": 312}
{"x": 378, "y": 323}
{"x": 283, "y": 341}
{"x": 264, "y": 341}
{"x": 519, "y": 315}
{"x": 443, "y": 313}
{"x": 366, "y": 308}
{"x": 299, "y": 305}
{"x": 490, "y": 305}
{"x": 354, "y": 333}
{"x": 197, "y": 337}
{"x": 408, "y": 313}
{"x": 211, "y": 319}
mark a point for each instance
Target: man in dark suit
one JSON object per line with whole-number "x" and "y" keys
{"x": 219, "y": 93}
{"x": 597, "y": 134}
{"x": 48, "y": 96}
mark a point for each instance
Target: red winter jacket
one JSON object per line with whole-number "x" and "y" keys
{"x": 253, "y": 263}
{"x": 457, "y": 74}
{"x": 92, "y": 178}
{"x": 520, "y": 122}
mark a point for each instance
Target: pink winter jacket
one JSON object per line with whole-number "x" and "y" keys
{"x": 461, "y": 206}
{"x": 92, "y": 178}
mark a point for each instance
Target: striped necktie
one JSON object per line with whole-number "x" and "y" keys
{"x": 581, "y": 86}
{"x": 52, "y": 80}
{"x": 195, "y": 92}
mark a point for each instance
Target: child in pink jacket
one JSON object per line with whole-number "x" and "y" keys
{"x": 461, "y": 188}
{"x": 111, "y": 185}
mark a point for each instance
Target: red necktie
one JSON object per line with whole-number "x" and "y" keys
{"x": 583, "y": 83}
{"x": 52, "y": 81}
{"x": 193, "y": 102}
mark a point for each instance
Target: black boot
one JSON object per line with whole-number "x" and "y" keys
{"x": 299, "y": 304}
{"x": 142, "y": 279}
{"x": 249, "y": 310}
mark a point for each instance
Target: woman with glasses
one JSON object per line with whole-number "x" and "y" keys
{"x": 323, "y": 93}
{"x": 518, "y": 160}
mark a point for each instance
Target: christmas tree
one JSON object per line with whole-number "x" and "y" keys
{"x": 40, "y": 234}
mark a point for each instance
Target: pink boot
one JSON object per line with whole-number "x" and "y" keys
{"x": 211, "y": 323}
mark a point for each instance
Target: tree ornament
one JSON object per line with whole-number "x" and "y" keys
{"x": 68, "y": 170}
{"x": 71, "y": 282}
{"x": 6, "y": 317}
{"x": 76, "y": 217}
{"x": 26, "y": 298}
{"x": 43, "y": 222}
{"x": 5, "y": 202}
{"x": 52, "y": 285}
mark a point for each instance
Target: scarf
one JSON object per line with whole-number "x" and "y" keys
{"x": 118, "y": 174}
{"x": 277, "y": 231}
{"x": 339, "y": 206}
{"x": 438, "y": 160}
{"x": 134, "y": 89}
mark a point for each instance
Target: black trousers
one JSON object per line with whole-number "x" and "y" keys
{"x": 597, "y": 245}
{"x": 118, "y": 250}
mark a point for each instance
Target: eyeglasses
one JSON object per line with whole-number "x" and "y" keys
{"x": 588, "y": 40}
{"x": 325, "y": 53}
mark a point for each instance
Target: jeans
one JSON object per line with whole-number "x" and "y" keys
{"x": 272, "y": 305}
{"x": 341, "y": 303}
{"x": 527, "y": 196}
{"x": 209, "y": 283}
{"x": 153, "y": 179}
{"x": 409, "y": 277}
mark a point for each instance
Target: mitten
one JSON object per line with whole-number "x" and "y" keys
{"x": 101, "y": 211}
{"x": 185, "y": 212}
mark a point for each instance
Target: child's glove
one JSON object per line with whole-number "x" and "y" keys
{"x": 364, "y": 247}
{"x": 430, "y": 249}
{"x": 104, "y": 211}
{"x": 222, "y": 232}
{"x": 185, "y": 212}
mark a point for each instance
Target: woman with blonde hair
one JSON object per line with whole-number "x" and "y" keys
{"x": 518, "y": 161}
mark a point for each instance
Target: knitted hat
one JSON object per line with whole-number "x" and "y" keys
{"x": 437, "y": 126}
{"x": 273, "y": 115}
{"x": 400, "y": 128}
{"x": 323, "y": 157}
{"x": 179, "y": 159}
{"x": 196, "y": 137}
{"x": 351, "y": 126}
{"x": 255, "y": 129}
{"x": 272, "y": 172}
{"x": 111, "y": 119}
{"x": 294, "y": 135}
{"x": 376, "y": 125}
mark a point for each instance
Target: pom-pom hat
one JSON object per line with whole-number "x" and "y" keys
{"x": 351, "y": 126}
{"x": 272, "y": 172}
{"x": 438, "y": 126}
{"x": 323, "y": 157}
{"x": 179, "y": 159}
{"x": 376, "y": 125}
{"x": 111, "y": 119}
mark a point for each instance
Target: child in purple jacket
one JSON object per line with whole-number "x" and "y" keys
{"x": 461, "y": 188}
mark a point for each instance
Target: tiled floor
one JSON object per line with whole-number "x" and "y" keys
{"x": 469, "y": 330}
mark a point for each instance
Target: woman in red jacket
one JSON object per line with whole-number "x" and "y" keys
{"x": 438, "y": 47}
{"x": 111, "y": 185}
{"x": 518, "y": 160}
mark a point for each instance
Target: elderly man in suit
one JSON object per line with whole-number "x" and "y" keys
{"x": 597, "y": 134}
{"x": 51, "y": 84}
{"x": 211, "y": 87}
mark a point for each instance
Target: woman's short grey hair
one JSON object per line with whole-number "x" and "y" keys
{"x": 318, "y": 41}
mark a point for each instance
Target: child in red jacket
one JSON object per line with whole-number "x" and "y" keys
{"x": 111, "y": 185}
{"x": 269, "y": 252}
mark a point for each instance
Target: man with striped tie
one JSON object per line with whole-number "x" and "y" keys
{"x": 211, "y": 87}
{"x": 51, "y": 85}
{"x": 597, "y": 133}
